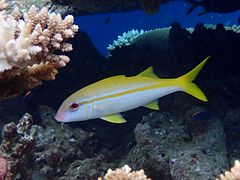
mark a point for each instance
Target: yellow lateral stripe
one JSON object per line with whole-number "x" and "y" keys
{"x": 129, "y": 92}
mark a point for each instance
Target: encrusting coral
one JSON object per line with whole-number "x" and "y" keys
{"x": 124, "y": 173}
{"x": 27, "y": 46}
{"x": 233, "y": 174}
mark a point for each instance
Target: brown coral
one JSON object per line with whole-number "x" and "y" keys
{"x": 28, "y": 45}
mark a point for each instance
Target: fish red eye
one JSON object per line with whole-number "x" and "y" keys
{"x": 74, "y": 106}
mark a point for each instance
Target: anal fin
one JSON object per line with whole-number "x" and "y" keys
{"x": 114, "y": 118}
{"x": 152, "y": 105}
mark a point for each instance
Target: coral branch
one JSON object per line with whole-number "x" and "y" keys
{"x": 233, "y": 174}
{"x": 124, "y": 173}
{"x": 28, "y": 44}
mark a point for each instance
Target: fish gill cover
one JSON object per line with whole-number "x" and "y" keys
{"x": 184, "y": 139}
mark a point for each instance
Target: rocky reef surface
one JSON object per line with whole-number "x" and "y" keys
{"x": 82, "y": 7}
{"x": 164, "y": 149}
{"x": 172, "y": 143}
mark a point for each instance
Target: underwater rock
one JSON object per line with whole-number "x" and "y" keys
{"x": 57, "y": 145}
{"x": 232, "y": 130}
{"x": 185, "y": 48}
{"x": 17, "y": 147}
{"x": 80, "y": 7}
{"x": 86, "y": 168}
{"x": 166, "y": 151}
{"x": 174, "y": 36}
{"x": 220, "y": 6}
{"x": 67, "y": 152}
{"x": 83, "y": 7}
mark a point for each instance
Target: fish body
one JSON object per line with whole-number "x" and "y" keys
{"x": 201, "y": 115}
{"x": 107, "y": 98}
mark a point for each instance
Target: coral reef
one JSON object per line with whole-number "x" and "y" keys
{"x": 28, "y": 47}
{"x": 65, "y": 152}
{"x": 57, "y": 145}
{"x": 80, "y": 7}
{"x": 189, "y": 154}
{"x": 166, "y": 151}
{"x": 220, "y": 80}
{"x": 156, "y": 38}
{"x": 25, "y": 5}
{"x": 233, "y": 174}
{"x": 169, "y": 144}
{"x": 214, "y": 6}
{"x": 125, "y": 39}
{"x": 17, "y": 149}
{"x": 88, "y": 168}
{"x": 124, "y": 173}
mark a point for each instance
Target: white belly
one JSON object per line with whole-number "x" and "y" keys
{"x": 128, "y": 101}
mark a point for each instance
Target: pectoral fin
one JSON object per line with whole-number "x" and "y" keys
{"x": 114, "y": 118}
{"x": 152, "y": 105}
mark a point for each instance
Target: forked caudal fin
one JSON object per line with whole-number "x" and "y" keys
{"x": 188, "y": 86}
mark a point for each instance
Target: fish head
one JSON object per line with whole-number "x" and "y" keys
{"x": 72, "y": 111}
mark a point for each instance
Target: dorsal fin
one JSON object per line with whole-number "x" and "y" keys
{"x": 114, "y": 77}
{"x": 148, "y": 73}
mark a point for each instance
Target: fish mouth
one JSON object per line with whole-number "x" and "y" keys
{"x": 59, "y": 117}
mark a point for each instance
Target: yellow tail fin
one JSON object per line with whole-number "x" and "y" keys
{"x": 188, "y": 86}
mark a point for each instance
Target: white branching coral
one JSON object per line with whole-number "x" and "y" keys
{"x": 158, "y": 37}
{"x": 15, "y": 49}
{"x": 233, "y": 174}
{"x": 28, "y": 42}
{"x": 125, "y": 39}
{"x": 125, "y": 173}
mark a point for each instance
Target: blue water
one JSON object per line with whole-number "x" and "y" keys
{"x": 103, "y": 33}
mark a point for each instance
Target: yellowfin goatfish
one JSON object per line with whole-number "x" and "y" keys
{"x": 107, "y": 98}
